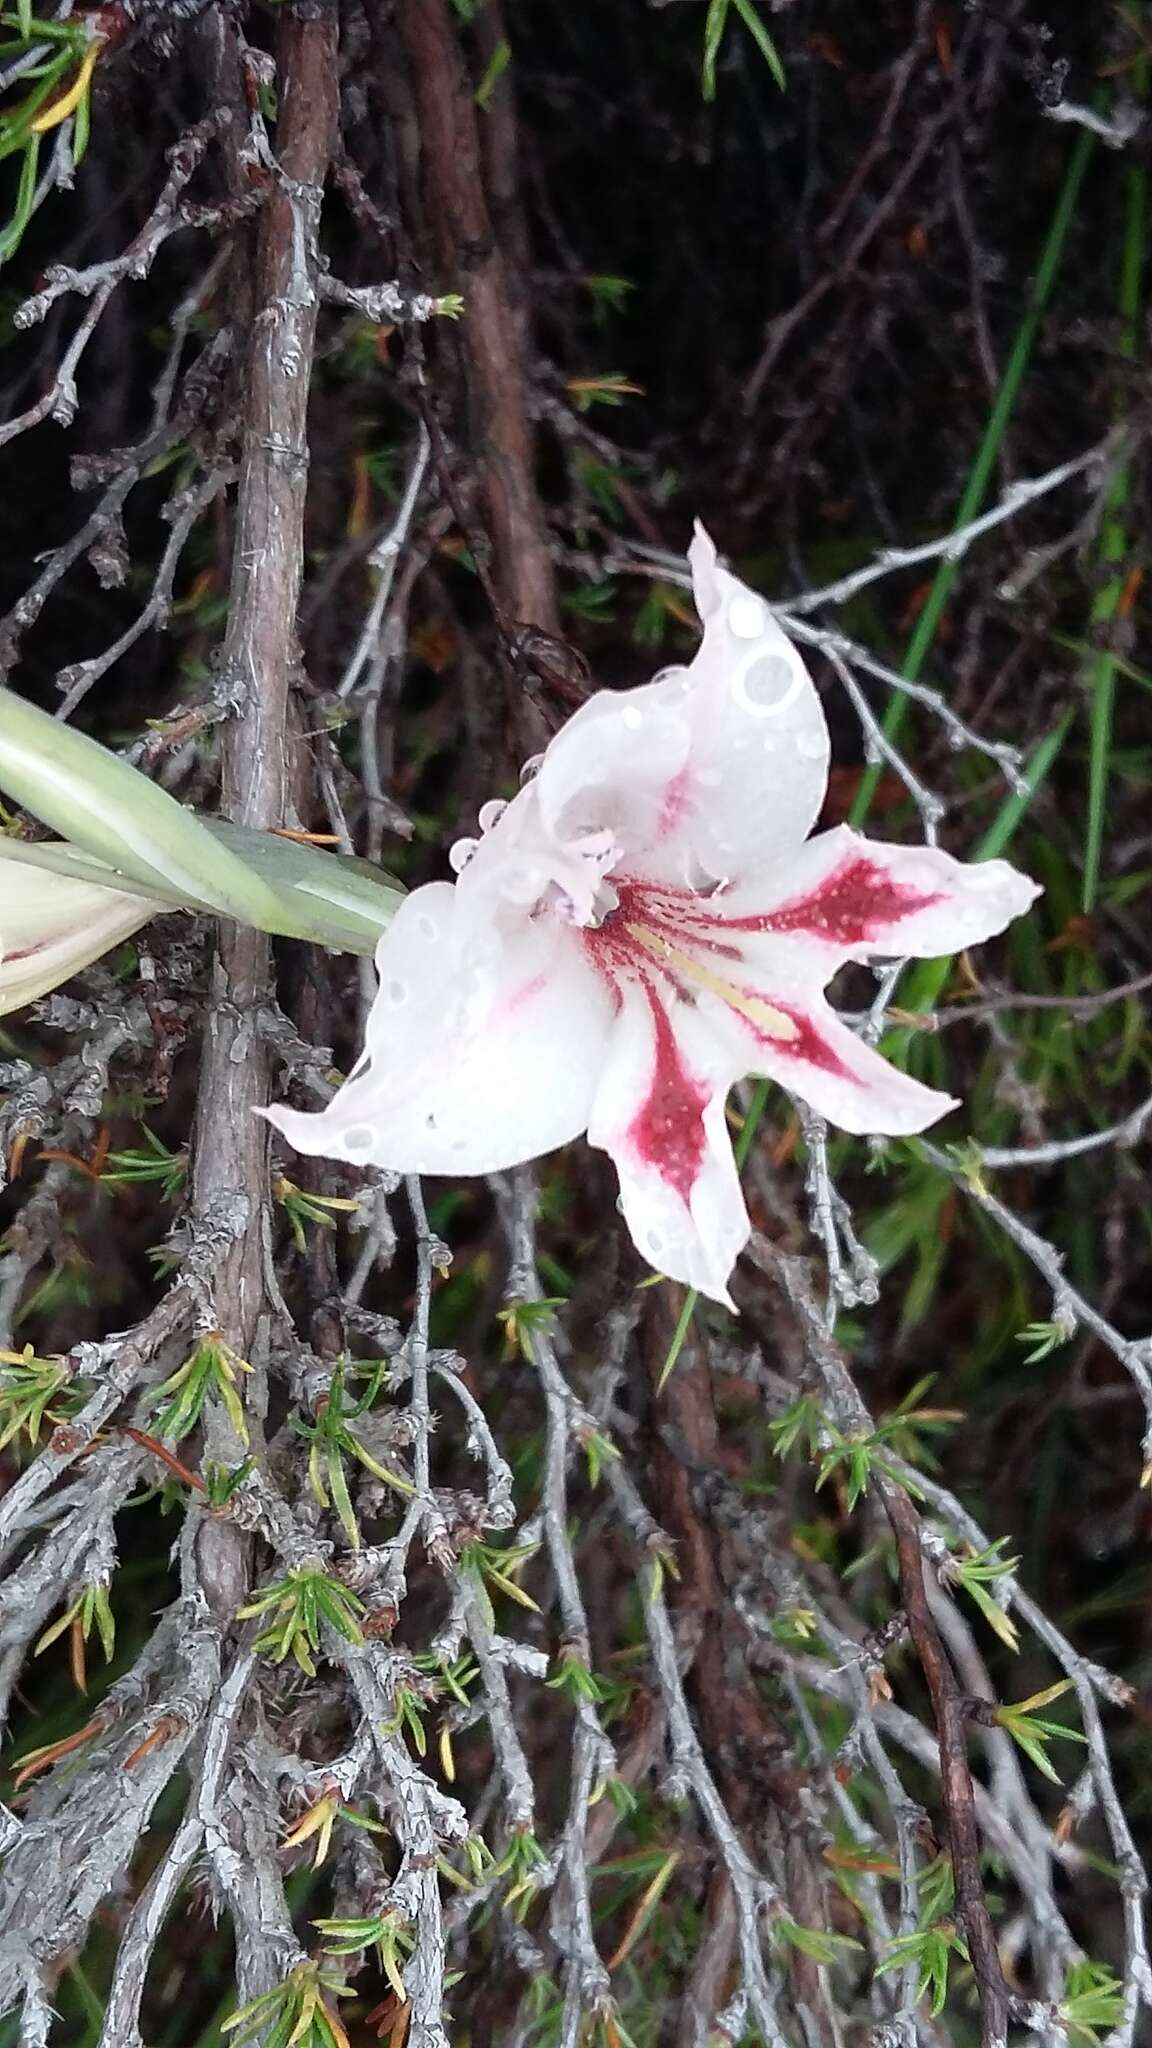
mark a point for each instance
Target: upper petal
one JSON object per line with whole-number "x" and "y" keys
{"x": 757, "y": 766}
{"x": 843, "y": 897}
{"x": 710, "y": 770}
{"x": 483, "y": 1047}
{"x": 659, "y": 1113}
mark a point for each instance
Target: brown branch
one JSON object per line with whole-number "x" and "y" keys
{"x": 469, "y": 256}
{"x": 230, "y": 1157}
{"x": 956, "y": 1787}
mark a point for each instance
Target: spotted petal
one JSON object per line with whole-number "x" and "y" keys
{"x": 659, "y": 1113}
{"x": 483, "y": 1049}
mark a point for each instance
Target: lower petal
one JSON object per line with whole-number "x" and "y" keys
{"x": 806, "y": 1048}
{"x": 659, "y": 1114}
{"x": 482, "y": 1050}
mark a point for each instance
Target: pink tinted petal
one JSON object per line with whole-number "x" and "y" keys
{"x": 757, "y": 766}
{"x": 617, "y": 765}
{"x": 480, "y": 1054}
{"x": 848, "y": 897}
{"x": 801, "y": 1043}
{"x": 710, "y": 770}
{"x": 659, "y": 1113}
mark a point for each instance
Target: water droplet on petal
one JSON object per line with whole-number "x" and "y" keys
{"x": 677, "y": 677}
{"x": 531, "y": 767}
{"x": 766, "y": 681}
{"x": 359, "y": 1138}
{"x": 632, "y": 718}
{"x": 654, "y": 1241}
{"x": 427, "y": 926}
{"x": 396, "y": 993}
{"x": 491, "y": 813}
{"x": 461, "y": 853}
{"x": 746, "y": 617}
{"x": 811, "y": 745}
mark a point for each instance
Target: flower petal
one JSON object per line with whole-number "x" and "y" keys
{"x": 618, "y": 764}
{"x": 51, "y": 926}
{"x": 709, "y": 770}
{"x": 800, "y": 1042}
{"x": 849, "y": 898}
{"x": 757, "y": 766}
{"x": 480, "y": 1052}
{"x": 659, "y": 1113}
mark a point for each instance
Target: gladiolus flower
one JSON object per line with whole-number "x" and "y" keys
{"x": 51, "y": 926}
{"x": 646, "y": 923}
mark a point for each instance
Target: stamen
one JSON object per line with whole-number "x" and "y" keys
{"x": 766, "y": 1018}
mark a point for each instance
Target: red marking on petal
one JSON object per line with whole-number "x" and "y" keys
{"x": 668, "y": 1132}
{"x": 675, "y": 804}
{"x": 858, "y": 905}
{"x": 808, "y": 1047}
{"x": 526, "y": 993}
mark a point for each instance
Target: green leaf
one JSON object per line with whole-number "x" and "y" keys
{"x": 109, "y": 809}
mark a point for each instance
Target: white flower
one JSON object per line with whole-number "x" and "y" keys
{"x": 643, "y": 925}
{"x": 51, "y": 926}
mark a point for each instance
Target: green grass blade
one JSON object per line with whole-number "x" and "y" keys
{"x": 1112, "y": 553}
{"x": 987, "y": 454}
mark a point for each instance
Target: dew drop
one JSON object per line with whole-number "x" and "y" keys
{"x": 746, "y": 617}
{"x": 427, "y": 927}
{"x": 654, "y": 1242}
{"x": 359, "y": 1138}
{"x": 811, "y": 745}
{"x": 461, "y": 853}
{"x": 491, "y": 813}
{"x": 531, "y": 767}
{"x": 632, "y": 718}
{"x": 767, "y": 680}
{"x": 397, "y": 993}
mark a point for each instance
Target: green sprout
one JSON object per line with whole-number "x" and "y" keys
{"x": 931, "y": 1950}
{"x": 297, "y": 1605}
{"x": 30, "y": 1395}
{"x": 60, "y": 85}
{"x": 151, "y": 1161}
{"x": 330, "y": 1440}
{"x": 93, "y": 1610}
{"x": 1044, "y": 1338}
{"x": 487, "y": 1567}
{"x": 301, "y": 1206}
{"x": 210, "y": 1371}
{"x": 1093, "y": 2000}
{"x": 386, "y": 1933}
{"x": 317, "y": 1824}
{"x": 976, "y": 1570}
{"x": 294, "y": 2014}
{"x": 1032, "y": 1733}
